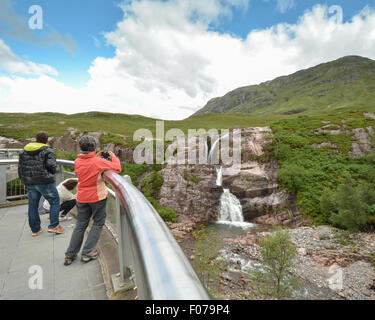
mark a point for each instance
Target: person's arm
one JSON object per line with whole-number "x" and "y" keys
{"x": 51, "y": 164}
{"x": 114, "y": 165}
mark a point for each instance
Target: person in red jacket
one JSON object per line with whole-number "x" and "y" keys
{"x": 91, "y": 198}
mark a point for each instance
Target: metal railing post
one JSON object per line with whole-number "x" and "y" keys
{"x": 3, "y": 184}
{"x": 121, "y": 254}
{"x": 124, "y": 280}
{"x": 59, "y": 175}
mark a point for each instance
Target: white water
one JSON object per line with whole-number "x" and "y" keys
{"x": 230, "y": 211}
{"x": 219, "y": 176}
{"x": 230, "y": 207}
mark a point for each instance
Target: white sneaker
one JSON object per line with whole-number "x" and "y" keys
{"x": 65, "y": 218}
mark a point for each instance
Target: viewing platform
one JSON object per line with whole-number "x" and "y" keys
{"x": 19, "y": 252}
{"x": 139, "y": 258}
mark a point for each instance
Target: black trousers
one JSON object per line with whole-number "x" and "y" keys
{"x": 66, "y": 206}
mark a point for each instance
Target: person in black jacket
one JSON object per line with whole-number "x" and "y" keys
{"x": 36, "y": 169}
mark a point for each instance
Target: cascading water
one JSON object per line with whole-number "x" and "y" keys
{"x": 230, "y": 211}
{"x": 219, "y": 176}
{"x": 230, "y": 208}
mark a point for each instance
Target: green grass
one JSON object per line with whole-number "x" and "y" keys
{"x": 112, "y": 138}
{"x": 21, "y": 126}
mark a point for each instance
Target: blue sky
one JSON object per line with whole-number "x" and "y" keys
{"x": 81, "y": 41}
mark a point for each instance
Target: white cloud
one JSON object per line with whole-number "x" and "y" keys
{"x": 10, "y": 63}
{"x": 169, "y": 63}
{"x": 284, "y": 5}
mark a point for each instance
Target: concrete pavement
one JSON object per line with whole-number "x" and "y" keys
{"x": 28, "y": 262}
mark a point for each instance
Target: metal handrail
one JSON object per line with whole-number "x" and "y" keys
{"x": 147, "y": 247}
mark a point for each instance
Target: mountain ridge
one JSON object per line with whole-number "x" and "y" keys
{"x": 339, "y": 83}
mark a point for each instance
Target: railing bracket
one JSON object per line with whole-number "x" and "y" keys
{"x": 120, "y": 285}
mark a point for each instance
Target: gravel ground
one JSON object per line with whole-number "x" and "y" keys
{"x": 331, "y": 264}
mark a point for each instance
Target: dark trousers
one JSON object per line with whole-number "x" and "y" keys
{"x": 96, "y": 210}
{"x": 66, "y": 206}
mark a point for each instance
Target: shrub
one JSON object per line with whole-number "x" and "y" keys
{"x": 112, "y": 138}
{"x": 371, "y": 210}
{"x": 292, "y": 177}
{"x": 278, "y": 253}
{"x": 134, "y": 171}
{"x": 349, "y": 210}
{"x": 167, "y": 214}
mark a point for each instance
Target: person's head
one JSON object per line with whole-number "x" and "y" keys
{"x": 42, "y": 137}
{"x": 70, "y": 184}
{"x": 87, "y": 144}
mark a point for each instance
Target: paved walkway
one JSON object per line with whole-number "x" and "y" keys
{"x": 19, "y": 251}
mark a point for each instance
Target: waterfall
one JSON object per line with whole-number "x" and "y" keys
{"x": 230, "y": 208}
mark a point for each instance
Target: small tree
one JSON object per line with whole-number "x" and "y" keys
{"x": 292, "y": 177}
{"x": 278, "y": 253}
{"x": 207, "y": 263}
{"x": 351, "y": 208}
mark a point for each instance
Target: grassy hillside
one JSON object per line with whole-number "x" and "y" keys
{"x": 346, "y": 84}
{"x": 21, "y": 126}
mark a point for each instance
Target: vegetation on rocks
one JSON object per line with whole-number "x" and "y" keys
{"x": 150, "y": 187}
{"x": 112, "y": 138}
{"x": 315, "y": 174}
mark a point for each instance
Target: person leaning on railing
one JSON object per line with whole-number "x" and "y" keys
{"x": 91, "y": 198}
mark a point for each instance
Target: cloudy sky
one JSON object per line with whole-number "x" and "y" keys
{"x": 165, "y": 58}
